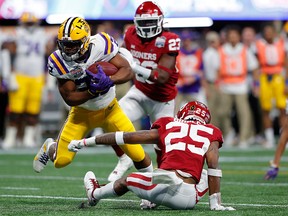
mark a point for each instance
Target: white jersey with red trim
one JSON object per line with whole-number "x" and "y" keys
{"x": 186, "y": 140}
{"x": 102, "y": 47}
{"x": 30, "y": 51}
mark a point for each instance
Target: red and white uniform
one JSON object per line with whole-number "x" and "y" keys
{"x": 151, "y": 98}
{"x": 182, "y": 148}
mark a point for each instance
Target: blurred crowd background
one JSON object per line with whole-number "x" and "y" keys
{"x": 235, "y": 109}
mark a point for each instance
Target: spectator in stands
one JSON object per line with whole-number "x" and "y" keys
{"x": 249, "y": 39}
{"x": 191, "y": 83}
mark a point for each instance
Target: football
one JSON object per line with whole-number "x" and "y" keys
{"x": 108, "y": 68}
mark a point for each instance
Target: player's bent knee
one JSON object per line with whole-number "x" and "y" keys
{"x": 135, "y": 152}
{"x": 61, "y": 162}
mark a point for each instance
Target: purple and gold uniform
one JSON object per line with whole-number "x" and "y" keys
{"x": 102, "y": 111}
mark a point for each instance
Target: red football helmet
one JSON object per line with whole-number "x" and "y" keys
{"x": 148, "y": 20}
{"x": 195, "y": 111}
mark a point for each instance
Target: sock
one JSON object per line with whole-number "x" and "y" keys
{"x": 105, "y": 191}
{"x": 147, "y": 169}
{"x": 269, "y": 135}
{"x": 29, "y": 136}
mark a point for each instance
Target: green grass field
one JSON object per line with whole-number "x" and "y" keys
{"x": 60, "y": 191}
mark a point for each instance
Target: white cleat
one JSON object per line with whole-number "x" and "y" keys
{"x": 91, "y": 184}
{"x": 124, "y": 164}
{"x": 41, "y": 159}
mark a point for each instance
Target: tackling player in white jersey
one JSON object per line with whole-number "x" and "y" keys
{"x": 183, "y": 144}
{"x": 91, "y": 96}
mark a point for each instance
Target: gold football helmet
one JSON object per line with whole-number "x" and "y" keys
{"x": 28, "y": 18}
{"x": 73, "y": 38}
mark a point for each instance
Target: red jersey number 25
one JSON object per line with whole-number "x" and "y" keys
{"x": 191, "y": 131}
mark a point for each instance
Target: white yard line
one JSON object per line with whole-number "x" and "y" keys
{"x": 18, "y": 188}
{"x": 125, "y": 200}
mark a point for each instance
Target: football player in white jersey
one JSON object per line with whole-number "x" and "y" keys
{"x": 28, "y": 47}
{"x": 91, "y": 96}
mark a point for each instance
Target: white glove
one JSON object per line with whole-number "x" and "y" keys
{"x": 223, "y": 208}
{"x": 75, "y": 145}
{"x": 146, "y": 204}
{"x": 215, "y": 203}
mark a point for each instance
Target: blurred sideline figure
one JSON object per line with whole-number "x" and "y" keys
{"x": 191, "y": 83}
{"x": 272, "y": 51}
{"x": 26, "y": 81}
{"x": 5, "y": 67}
{"x": 235, "y": 60}
{"x": 90, "y": 96}
{"x": 249, "y": 38}
{"x": 275, "y": 163}
{"x": 210, "y": 67}
{"x": 154, "y": 51}
{"x": 182, "y": 144}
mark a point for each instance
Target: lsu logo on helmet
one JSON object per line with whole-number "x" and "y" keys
{"x": 73, "y": 38}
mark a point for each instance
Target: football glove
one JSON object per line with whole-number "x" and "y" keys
{"x": 271, "y": 173}
{"x": 98, "y": 84}
{"x": 215, "y": 203}
{"x": 146, "y": 204}
{"x": 76, "y": 145}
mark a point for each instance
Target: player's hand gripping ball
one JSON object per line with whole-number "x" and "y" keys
{"x": 98, "y": 81}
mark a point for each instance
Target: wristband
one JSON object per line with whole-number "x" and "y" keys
{"x": 214, "y": 172}
{"x": 142, "y": 71}
{"x": 119, "y": 138}
{"x": 89, "y": 141}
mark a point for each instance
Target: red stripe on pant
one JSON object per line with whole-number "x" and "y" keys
{"x": 138, "y": 184}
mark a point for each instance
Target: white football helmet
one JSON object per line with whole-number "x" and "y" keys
{"x": 148, "y": 20}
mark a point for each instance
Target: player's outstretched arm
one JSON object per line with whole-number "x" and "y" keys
{"x": 214, "y": 176}
{"x": 119, "y": 138}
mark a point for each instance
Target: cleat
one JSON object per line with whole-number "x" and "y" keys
{"x": 91, "y": 184}
{"x": 41, "y": 159}
{"x": 124, "y": 164}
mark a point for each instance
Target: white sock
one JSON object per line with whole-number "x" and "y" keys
{"x": 105, "y": 191}
{"x": 10, "y": 137}
{"x": 147, "y": 169}
{"x": 29, "y": 136}
{"x": 269, "y": 135}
